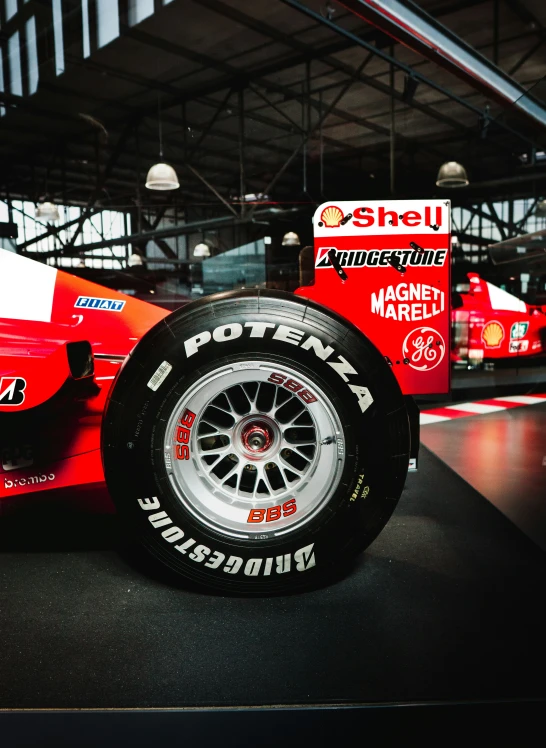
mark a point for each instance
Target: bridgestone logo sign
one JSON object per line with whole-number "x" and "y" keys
{"x": 302, "y": 559}
{"x": 409, "y": 302}
{"x": 359, "y": 258}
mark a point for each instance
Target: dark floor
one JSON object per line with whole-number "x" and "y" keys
{"x": 447, "y": 604}
{"x": 503, "y": 456}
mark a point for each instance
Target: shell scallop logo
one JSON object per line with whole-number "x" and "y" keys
{"x": 493, "y": 334}
{"x": 331, "y": 216}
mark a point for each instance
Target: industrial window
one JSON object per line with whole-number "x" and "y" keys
{"x": 32, "y": 55}
{"x": 85, "y": 28}
{"x": 58, "y": 36}
{"x": 14, "y": 54}
{"x": 106, "y": 224}
{"x": 2, "y": 85}
{"x": 11, "y": 8}
{"x": 139, "y": 10}
{"x": 517, "y": 216}
{"x": 107, "y": 21}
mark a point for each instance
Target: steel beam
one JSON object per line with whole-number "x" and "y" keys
{"x": 219, "y": 109}
{"x": 53, "y": 231}
{"x": 306, "y": 52}
{"x": 102, "y": 178}
{"x": 402, "y": 66}
{"x": 309, "y": 52}
{"x": 158, "y": 241}
{"x": 528, "y": 213}
{"x": 146, "y": 236}
{"x": 238, "y": 78}
{"x": 465, "y": 238}
{"x": 494, "y": 218}
{"x": 410, "y": 25}
{"x": 528, "y": 54}
{"x": 211, "y": 188}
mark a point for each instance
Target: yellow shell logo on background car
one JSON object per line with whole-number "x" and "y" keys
{"x": 493, "y": 334}
{"x": 331, "y": 216}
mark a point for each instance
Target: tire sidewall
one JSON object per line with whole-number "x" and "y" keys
{"x": 375, "y": 440}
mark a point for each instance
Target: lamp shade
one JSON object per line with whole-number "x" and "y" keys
{"x": 452, "y": 174}
{"x": 291, "y": 239}
{"x": 162, "y": 177}
{"x": 201, "y": 250}
{"x": 135, "y": 260}
{"x": 540, "y": 210}
{"x": 47, "y": 212}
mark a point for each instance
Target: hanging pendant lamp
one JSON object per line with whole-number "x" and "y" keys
{"x": 201, "y": 250}
{"x": 452, "y": 174}
{"x": 161, "y": 176}
{"x": 290, "y": 239}
{"x": 48, "y": 212}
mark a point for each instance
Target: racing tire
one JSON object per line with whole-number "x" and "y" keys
{"x": 255, "y": 442}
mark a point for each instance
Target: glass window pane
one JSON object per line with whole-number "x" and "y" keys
{"x": 32, "y": 55}
{"x": 58, "y": 36}
{"x": 11, "y": 8}
{"x": 14, "y": 54}
{"x": 520, "y": 208}
{"x": 85, "y": 28}
{"x": 107, "y": 21}
{"x": 2, "y": 86}
{"x": 139, "y": 10}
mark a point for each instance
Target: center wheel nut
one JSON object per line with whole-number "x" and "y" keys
{"x": 257, "y": 437}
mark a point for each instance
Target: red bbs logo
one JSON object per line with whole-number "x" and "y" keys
{"x": 424, "y": 347}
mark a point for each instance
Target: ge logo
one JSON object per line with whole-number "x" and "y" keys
{"x": 424, "y": 347}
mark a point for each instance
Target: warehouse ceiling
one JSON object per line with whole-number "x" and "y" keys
{"x": 260, "y": 98}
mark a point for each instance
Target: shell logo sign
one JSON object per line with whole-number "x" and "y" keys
{"x": 493, "y": 334}
{"x": 331, "y": 216}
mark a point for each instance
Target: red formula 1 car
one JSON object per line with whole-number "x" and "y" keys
{"x": 491, "y": 324}
{"x": 253, "y": 440}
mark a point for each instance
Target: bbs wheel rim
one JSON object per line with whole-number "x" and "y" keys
{"x": 254, "y": 450}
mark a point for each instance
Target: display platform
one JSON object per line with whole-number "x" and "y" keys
{"x": 270, "y": 727}
{"x": 447, "y": 605}
{"x": 503, "y": 456}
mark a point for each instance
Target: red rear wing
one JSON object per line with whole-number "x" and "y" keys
{"x": 385, "y": 266}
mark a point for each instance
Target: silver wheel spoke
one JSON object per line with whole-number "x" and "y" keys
{"x": 214, "y": 433}
{"x": 288, "y": 466}
{"x": 235, "y": 469}
{"x": 219, "y": 452}
{"x": 286, "y": 424}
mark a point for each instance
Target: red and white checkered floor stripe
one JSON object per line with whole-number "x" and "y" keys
{"x": 461, "y": 410}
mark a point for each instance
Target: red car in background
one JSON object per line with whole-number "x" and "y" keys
{"x": 490, "y": 324}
